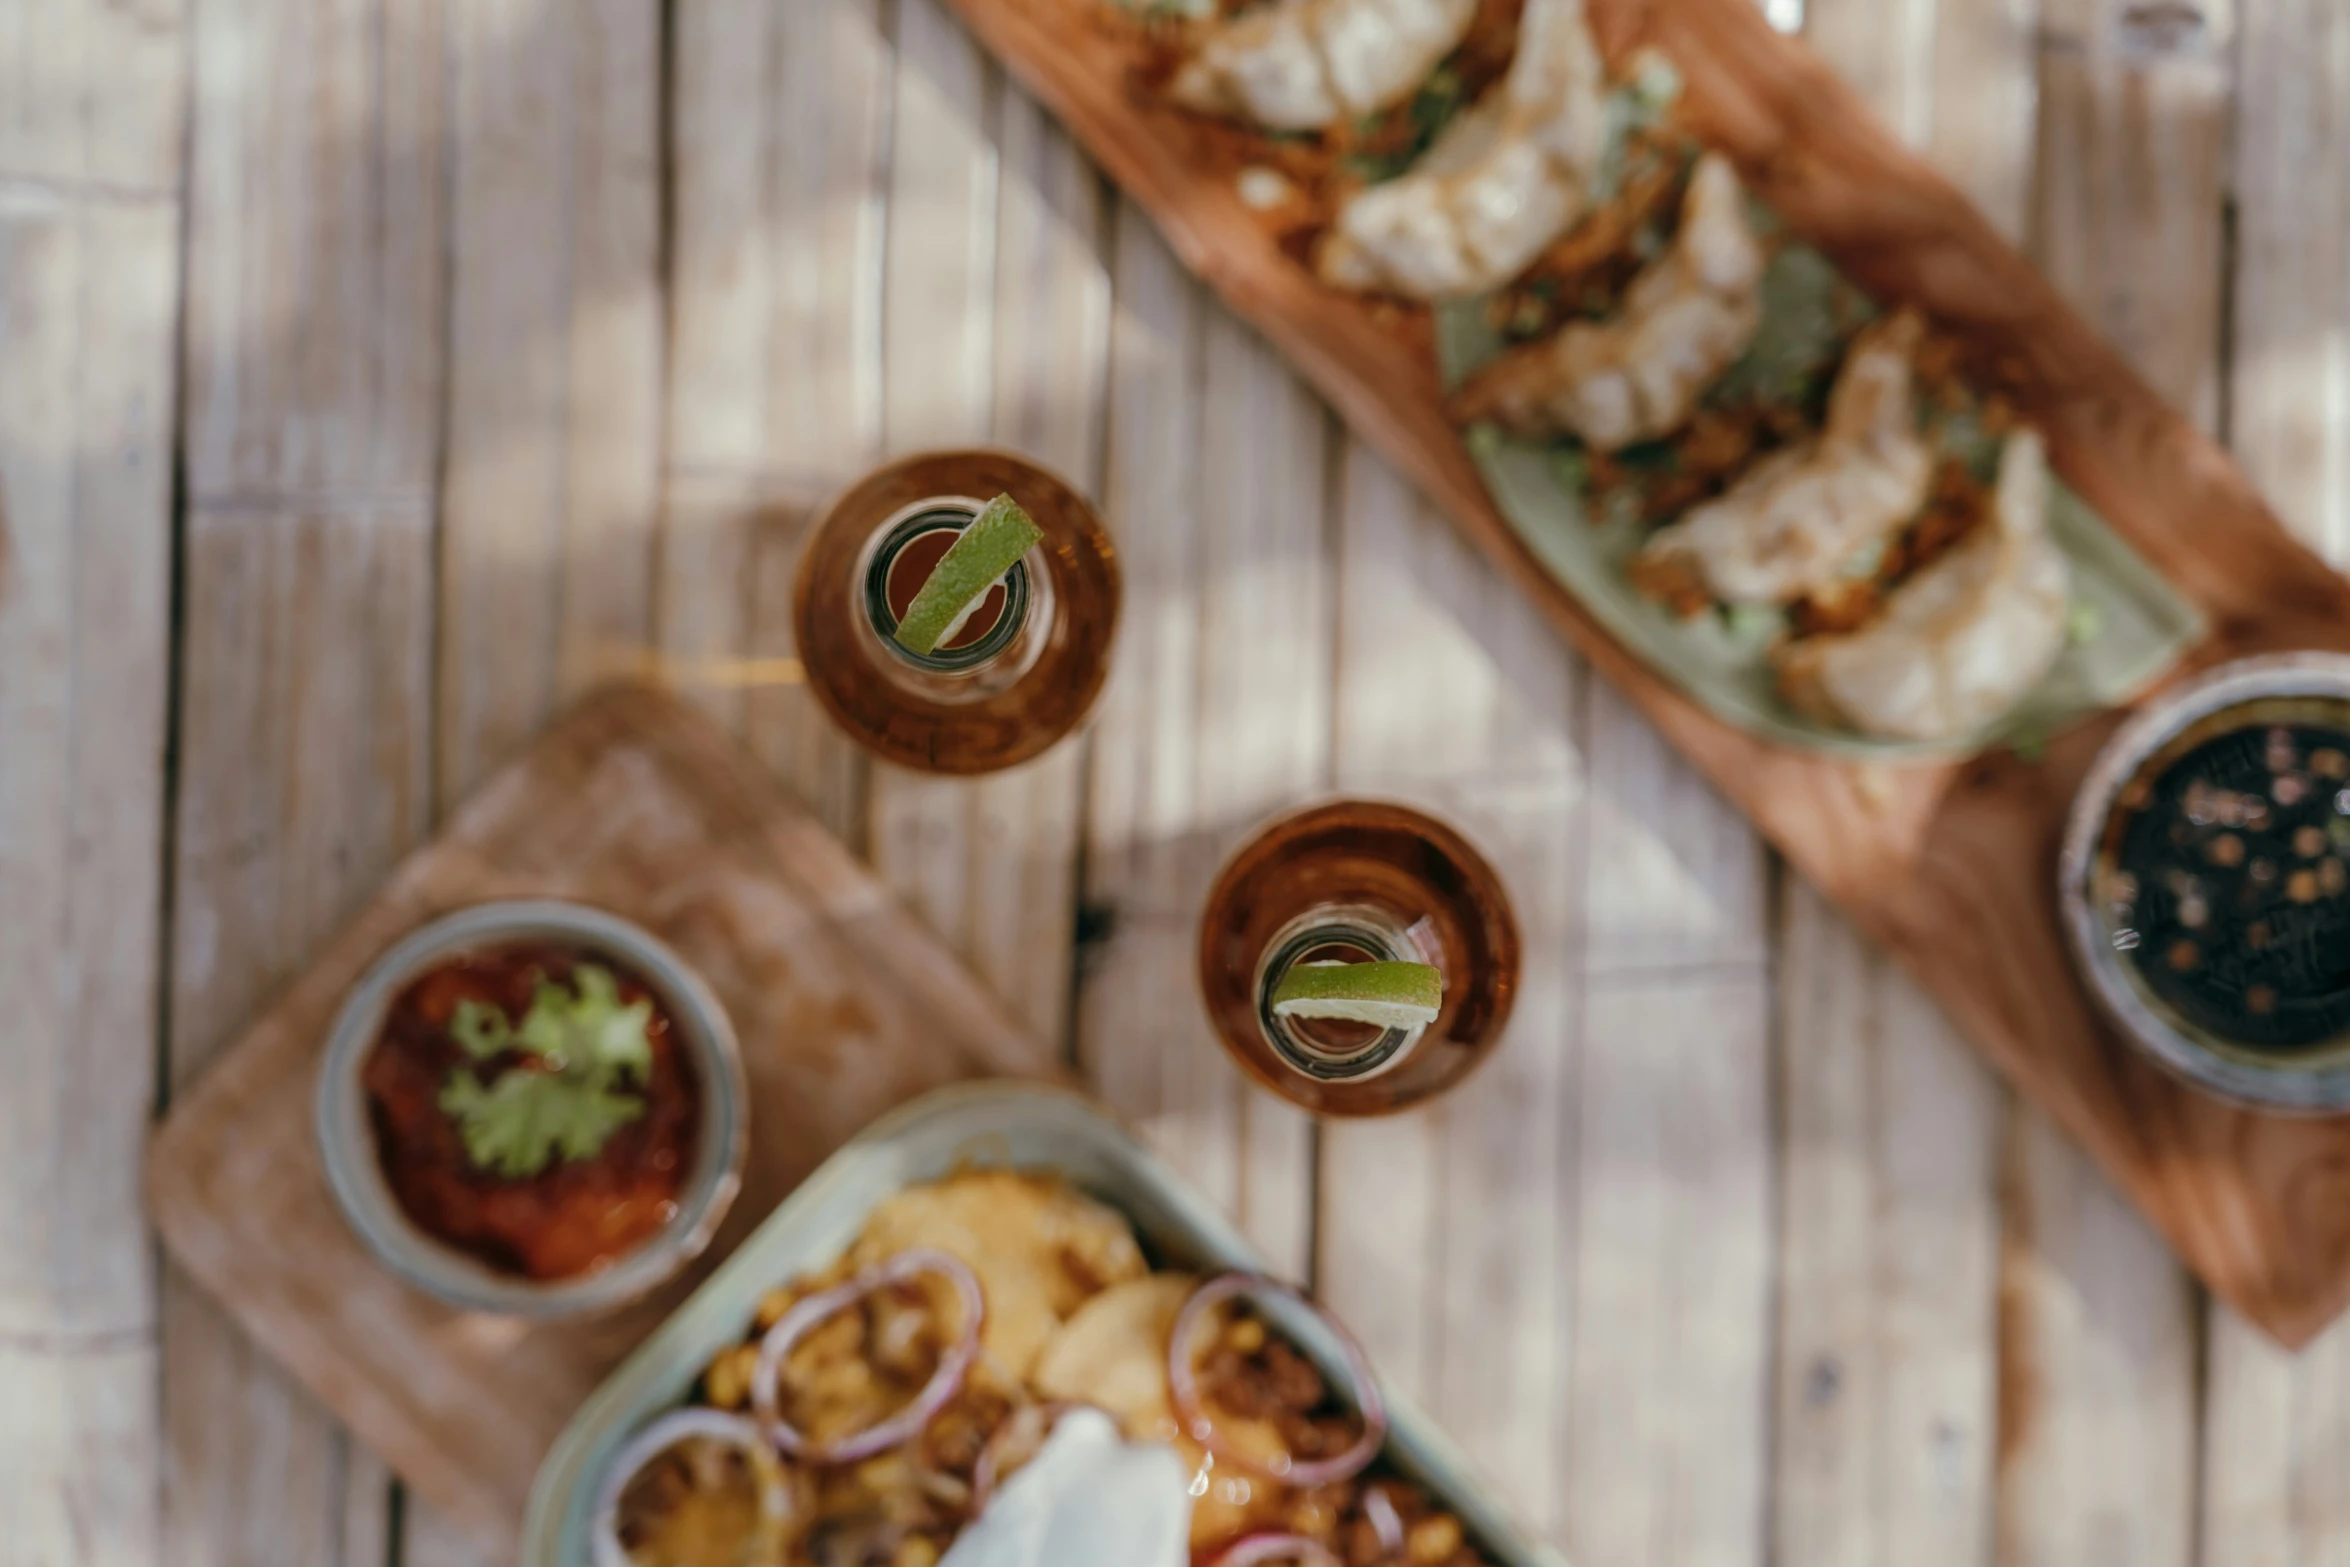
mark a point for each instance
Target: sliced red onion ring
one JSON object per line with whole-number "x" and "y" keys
{"x": 802, "y": 1319}
{"x": 1256, "y": 1548}
{"x": 665, "y": 1433}
{"x": 1385, "y": 1522}
{"x": 1183, "y": 1382}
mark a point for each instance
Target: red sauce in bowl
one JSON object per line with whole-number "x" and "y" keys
{"x": 575, "y": 1215}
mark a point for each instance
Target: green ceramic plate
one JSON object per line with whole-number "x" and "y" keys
{"x": 981, "y": 1125}
{"x": 2131, "y": 624}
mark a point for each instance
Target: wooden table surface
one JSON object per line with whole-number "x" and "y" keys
{"x": 377, "y": 374}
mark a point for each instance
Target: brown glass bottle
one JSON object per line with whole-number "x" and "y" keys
{"x": 1358, "y": 880}
{"x": 1023, "y": 671}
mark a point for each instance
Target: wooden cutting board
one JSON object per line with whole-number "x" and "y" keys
{"x": 636, "y": 802}
{"x": 1952, "y": 867}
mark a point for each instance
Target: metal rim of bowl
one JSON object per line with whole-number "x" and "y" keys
{"x": 2317, "y": 1090}
{"x": 347, "y": 1142}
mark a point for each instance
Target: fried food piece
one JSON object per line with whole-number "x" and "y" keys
{"x": 1961, "y": 642}
{"x": 1638, "y": 375}
{"x": 1501, "y": 182}
{"x": 1113, "y": 1354}
{"x": 1040, "y": 1248}
{"x": 1790, "y": 526}
{"x": 1301, "y": 65}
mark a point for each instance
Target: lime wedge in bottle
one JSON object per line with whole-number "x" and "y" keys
{"x": 959, "y": 583}
{"x": 1387, "y": 995}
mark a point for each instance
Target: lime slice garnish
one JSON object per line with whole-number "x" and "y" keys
{"x": 1390, "y": 995}
{"x": 959, "y": 583}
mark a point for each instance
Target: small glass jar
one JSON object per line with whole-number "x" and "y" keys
{"x": 347, "y": 1138}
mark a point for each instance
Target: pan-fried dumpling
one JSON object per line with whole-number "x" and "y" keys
{"x": 1502, "y": 181}
{"x": 1790, "y": 526}
{"x": 1961, "y": 642}
{"x": 1300, "y": 65}
{"x": 1686, "y": 320}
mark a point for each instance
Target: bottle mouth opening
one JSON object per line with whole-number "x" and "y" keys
{"x": 880, "y": 590}
{"x": 1329, "y": 1050}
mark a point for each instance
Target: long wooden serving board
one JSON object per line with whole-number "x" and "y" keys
{"x": 1951, "y": 867}
{"x": 845, "y": 1005}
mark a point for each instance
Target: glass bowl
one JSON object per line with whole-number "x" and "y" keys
{"x": 347, "y": 1141}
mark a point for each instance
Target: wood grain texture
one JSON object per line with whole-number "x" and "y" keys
{"x": 2099, "y": 1363}
{"x": 780, "y": 140}
{"x": 549, "y": 488}
{"x": 1447, "y": 1238}
{"x": 845, "y": 1007}
{"x": 93, "y": 97}
{"x": 89, "y": 261}
{"x": 1945, "y": 866}
{"x": 1215, "y": 491}
{"x": 1889, "y": 1129}
{"x": 310, "y": 437}
{"x": 2276, "y": 1427}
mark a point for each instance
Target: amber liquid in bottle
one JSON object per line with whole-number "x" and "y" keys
{"x": 1358, "y": 881}
{"x": 1024, "y": 669}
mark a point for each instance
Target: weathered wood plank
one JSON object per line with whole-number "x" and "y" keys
{"x": 549, "y": 487}
{"x": 311, "y": 412}
{"x": 1888, "y": 1261}
{"x": 305, "y": 714}
{"x": 88, "y": 301}
{"x": 2098, "y": 1351}
{"x": 938, "y": 358}
{"x": 780, "y": 118}
{"x": 1668, "y": 1440}
{"x": 1215, "y": 491}
{"x": 315, "y": 229}
{"x": 93, "y": 97}
{"x": 2277, "y": 1426}
{"x": 1446, "y": 1237}
{"x": 1890, "y": 1126}
{"x": 992, "y": 330}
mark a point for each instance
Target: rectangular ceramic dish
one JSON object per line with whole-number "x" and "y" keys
{"x": 983, "y": 1125}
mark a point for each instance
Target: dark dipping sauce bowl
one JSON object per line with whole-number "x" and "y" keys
{"x": 2205, "y": 882}
{"x": 580, "y": 1235}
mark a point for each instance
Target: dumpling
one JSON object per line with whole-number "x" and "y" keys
{"x": 1502, "y": 181}
{"x": 1789, "y": 527}
{"x": 1961, "y": 642}
{"x": 1686, "y": 320}
{"x": 1300, "y": 65}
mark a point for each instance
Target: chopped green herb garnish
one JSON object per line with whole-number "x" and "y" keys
{"x": 519, "y": 1123}
{"x": 2082, "y": 622}
{"x": 1754, "y": 623}
{"x": 481, "y": 1029}
{"x": 2029, "y": 745}
{"x": 1483, "y": 440}
{"x": 568, "y": 1102}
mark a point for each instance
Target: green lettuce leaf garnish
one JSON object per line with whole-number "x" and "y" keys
{"x": 570, "y": 1101}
